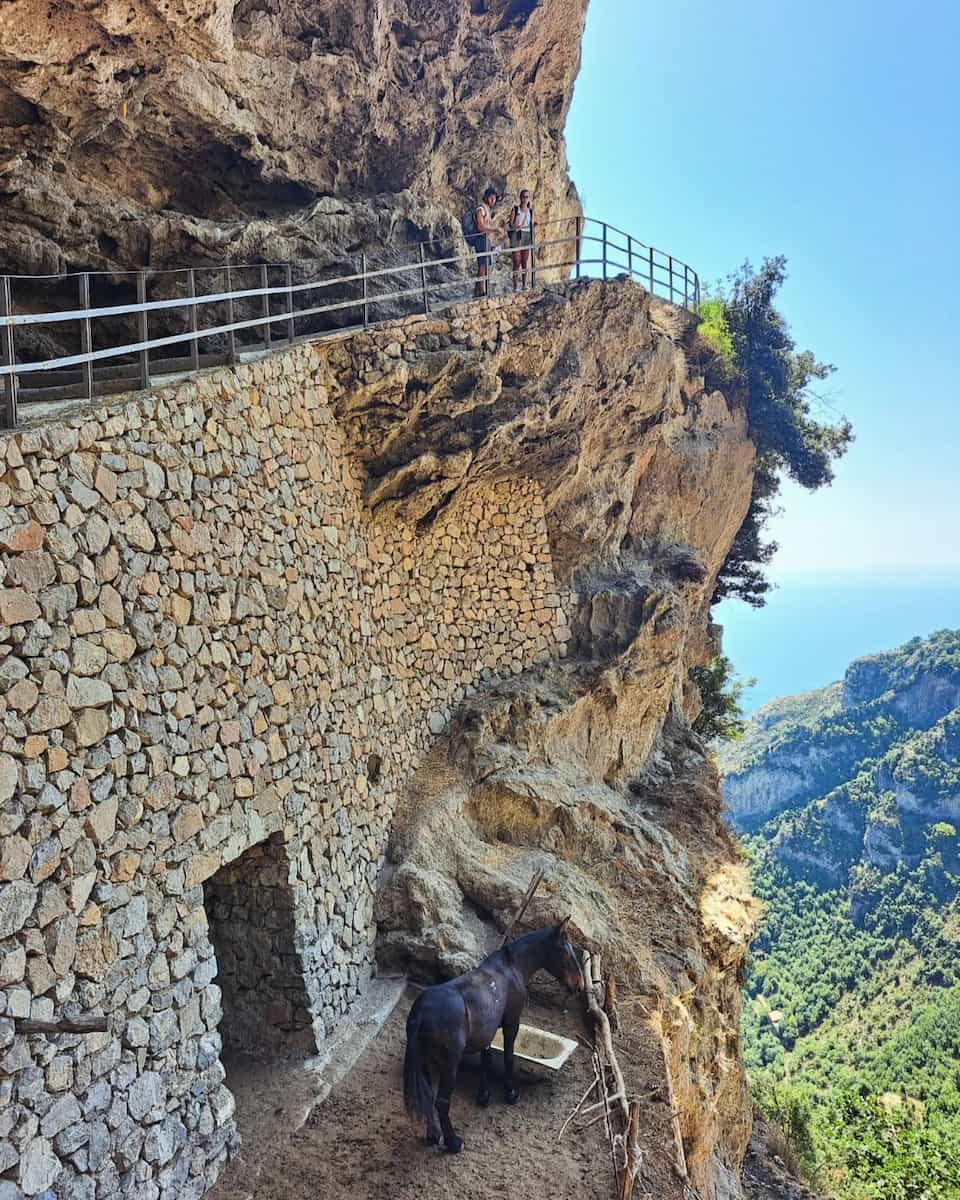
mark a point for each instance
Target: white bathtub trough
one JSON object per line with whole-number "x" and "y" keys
{"x": 537, "y": 1046}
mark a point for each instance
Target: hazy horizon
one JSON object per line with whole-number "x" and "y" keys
{"x": 816, "y": 622}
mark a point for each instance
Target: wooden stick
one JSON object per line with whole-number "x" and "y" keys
{"x": 680, "y": 1158}
{"x": 610, "y": 1004}
{"x": 634, "y": 1158}
{"x": 64, "y": 1025}
{"x": 601, "y": 1116}
{"x": 607, "y": 1100}
{"x": 563, "y": 1127}
{"x": 531, "y": 888}
{"x": 605, "y": 1042}
{"x": 606, "y": 1118}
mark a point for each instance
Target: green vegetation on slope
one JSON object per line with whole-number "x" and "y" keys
{"x": 851, "y": 1022}
{"x": 852, "y": 1034}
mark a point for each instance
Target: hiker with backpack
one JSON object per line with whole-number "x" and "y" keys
{"x": 478, "y": 227}
{"x": 520, "y": 233}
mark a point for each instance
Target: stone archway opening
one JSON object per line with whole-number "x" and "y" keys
{"x": 250, "y": 910}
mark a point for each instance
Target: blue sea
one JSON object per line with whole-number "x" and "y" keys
{"x": 814, "y": 624}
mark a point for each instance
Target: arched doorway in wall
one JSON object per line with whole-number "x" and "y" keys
{"x": 250, "y": 912}
{"x": 265, "y": 1027}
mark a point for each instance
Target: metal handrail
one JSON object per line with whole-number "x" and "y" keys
{"x": 660, "y": 273}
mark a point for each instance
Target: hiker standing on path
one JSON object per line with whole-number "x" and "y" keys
{"x": 520, "y": 231}
{"x": 480, "y": 238}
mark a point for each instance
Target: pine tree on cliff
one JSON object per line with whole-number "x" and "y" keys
{"x": 755, "y": 359}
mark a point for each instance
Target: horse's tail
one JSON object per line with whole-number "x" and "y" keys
{"x": 417, "y": 1092}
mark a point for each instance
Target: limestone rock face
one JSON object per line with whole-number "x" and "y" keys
{"x": 135, "y": 135}
{"x": 587, "y": 391}
{"x": 584, "y": 765}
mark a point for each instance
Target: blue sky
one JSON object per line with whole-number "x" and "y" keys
{"x": 828, "y": 132}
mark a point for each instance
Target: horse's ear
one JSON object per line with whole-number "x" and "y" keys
{"x": 562, "y": 927}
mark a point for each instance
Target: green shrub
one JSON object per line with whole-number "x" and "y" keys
{"x": 788, "y": 1109}
{"x": 715, "y": 332}
{"x": 760, "y": 366}
{"x": 721, "y": 715}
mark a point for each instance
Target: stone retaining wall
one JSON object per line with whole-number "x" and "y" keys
{"x": 206, "y": 642}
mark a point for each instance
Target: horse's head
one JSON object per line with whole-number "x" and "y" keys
{"x": 564, "y": 964}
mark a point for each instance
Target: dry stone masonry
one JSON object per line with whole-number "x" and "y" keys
{"x": 217, "y": 669}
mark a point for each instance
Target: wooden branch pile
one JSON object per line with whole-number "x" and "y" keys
{"x": 621, "y": 1116}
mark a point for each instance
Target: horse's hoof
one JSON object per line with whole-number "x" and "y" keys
{"x": 453, "y": 1145}
{"x": 483, "y": 1098}
{"x": 511, "y": 1095}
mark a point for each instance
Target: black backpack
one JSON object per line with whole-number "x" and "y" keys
{"x": 468, "y": 223}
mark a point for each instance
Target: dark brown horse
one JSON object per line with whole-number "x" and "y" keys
{"x": 461, "y": 1016}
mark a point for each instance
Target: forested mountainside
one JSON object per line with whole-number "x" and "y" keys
{"x": 852, "y": 1021}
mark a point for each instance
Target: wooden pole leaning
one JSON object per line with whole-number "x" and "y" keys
{"x": 524, "y": 905}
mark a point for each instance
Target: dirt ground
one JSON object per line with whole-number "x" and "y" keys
{"x": 358, "y": 1144}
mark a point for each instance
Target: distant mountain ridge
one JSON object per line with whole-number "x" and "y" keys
{"x": 860, "y": 767}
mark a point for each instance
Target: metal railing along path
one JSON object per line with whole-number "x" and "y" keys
{"x": 265, "y": 316}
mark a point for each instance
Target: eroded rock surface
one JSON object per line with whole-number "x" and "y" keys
{"x": 586, "y": 765}
{"x": 133, "y": 135}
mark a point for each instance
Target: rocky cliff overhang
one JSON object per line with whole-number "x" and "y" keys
{"x": 589, "y": 394}
{"x": 132, "y": 135}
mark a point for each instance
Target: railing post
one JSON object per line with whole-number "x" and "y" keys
{"x": 670, "y": 256}
{"x": 533, "y": 252}
{"x": 363, "y": 280}
{"x": 686, "y": 298}
{"x": 630, "y": 255}
{"x": 579, "y": 246}
{"x": 231, "y": 335}
{"x": 192, "y": 316}
{"x": 651, "y": 271}
{"x": 288, "y": 283}
{"x": 86, "y": 338}
{"x": 423, "y": 282}
{"x": 8, "y": 356}
{"x": 143, "y": 327}
{"x": 265, "y": 283}
{"x": 604, "y": 249}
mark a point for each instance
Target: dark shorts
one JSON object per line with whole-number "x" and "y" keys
{"x": 520, "y": 239}
{"x": 481, "y": 244}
